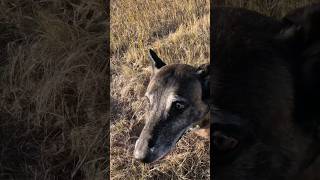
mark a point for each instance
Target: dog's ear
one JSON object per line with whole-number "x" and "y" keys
{"x": 302, "y": 27}
{"x": 203, "y": 73}
{"x": 301, "y": 36}
{"x": 157, "y": 62}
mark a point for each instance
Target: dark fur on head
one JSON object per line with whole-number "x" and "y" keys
{"x": 253, "y": 83}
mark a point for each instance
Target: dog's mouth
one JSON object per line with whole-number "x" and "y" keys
{"x": 161, "y": 148}
{"x": 163, "y": 151}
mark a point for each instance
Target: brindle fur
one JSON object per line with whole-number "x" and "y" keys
{"x": 164, "y": 126}
{"x": 257, "y": 79}
{"x": 253, "y": 99}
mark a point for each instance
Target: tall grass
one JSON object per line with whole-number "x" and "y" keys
{"x": 54, "y": 98}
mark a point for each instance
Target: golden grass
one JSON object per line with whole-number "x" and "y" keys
{"x": 54, "y": 98}
{"x": 179, "y": 33}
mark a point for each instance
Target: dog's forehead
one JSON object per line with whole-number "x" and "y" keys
{"x": 175, "y": 76}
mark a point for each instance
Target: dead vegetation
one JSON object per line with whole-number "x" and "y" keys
{"x": 54, "y": 97}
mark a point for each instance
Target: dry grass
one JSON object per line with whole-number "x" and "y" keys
{"x": 54, "y": 98}
{"x": 179, "y": 32}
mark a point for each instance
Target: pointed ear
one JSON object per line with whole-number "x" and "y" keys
{"x": 203, "y": 73}
{"x": 301, "y": 36}
{"x": 302, "y": 26}
{"x": 291, "y": 35}
{"x": 157, "y": 63}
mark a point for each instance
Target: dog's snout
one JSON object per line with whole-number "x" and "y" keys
{"x": 142, "y": 156}
{"x": 141, "y": 150}
{"x": 139, "y": 155}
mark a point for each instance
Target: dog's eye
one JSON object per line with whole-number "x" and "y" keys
{"x": 224, "y": 142}
{"x": 179, "y": 106}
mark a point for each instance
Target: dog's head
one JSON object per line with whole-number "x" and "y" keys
{"x": 176, "y": 95}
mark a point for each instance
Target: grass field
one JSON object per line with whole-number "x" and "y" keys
{"x": 179, "y": 33}
{"x": 53, "y": 89}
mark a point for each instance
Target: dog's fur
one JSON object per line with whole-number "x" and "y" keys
{"x": 256, "y": 102}
{"x": 256, "y": 77}
{"x": 175, "y": 96}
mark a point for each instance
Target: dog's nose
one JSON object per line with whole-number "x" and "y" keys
{"x": 139, "y": 155}
{"x": 140, "y": 150}
{"x": 142, "y": 156}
